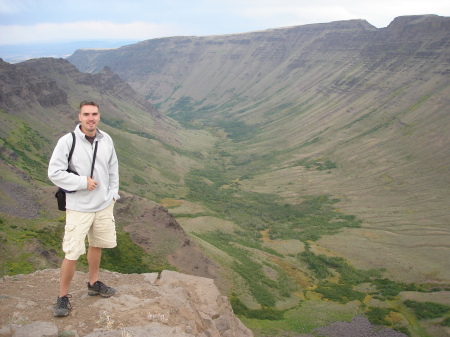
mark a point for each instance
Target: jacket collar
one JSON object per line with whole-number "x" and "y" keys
{"x": 98, "y": 134}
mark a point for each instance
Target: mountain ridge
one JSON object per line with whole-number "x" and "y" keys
{"x": 272, "y": 50}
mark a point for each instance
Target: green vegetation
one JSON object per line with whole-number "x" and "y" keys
{"x": 21, "y": 240}
{"x": 271, "y": 314}
{"x": 391, "y": 289}
{"x": 322, "y": 265}
{"x": 184, "y": 112}
{"x": 341, "y": 293}
{"x": 238, "y": 131}
{"x": 309, "y": 220}
{"x": 45, "y": 237}
{"x": 29, "y": 149}
{"x": 264, "y": 289}
{"x": 127, "y": 257}
{"x": 319, "y": 165}
{"x": 378, "y": 315}
{"x": 139, "y": 180}
{"x": 426, "y": 310}
{"x": 119, "y": 124}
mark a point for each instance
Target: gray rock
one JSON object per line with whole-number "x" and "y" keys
{"x": 37, "y": 329}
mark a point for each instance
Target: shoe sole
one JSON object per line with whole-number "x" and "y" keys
{"x": 94, "y": 293}
{"x": 55, "y": 314}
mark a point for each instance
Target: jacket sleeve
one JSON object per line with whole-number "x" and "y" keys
{"x": 114, "y": 174}
{"x": 57, "y": 168}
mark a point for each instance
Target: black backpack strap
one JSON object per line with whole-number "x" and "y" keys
{"x": 93, "y": 159}
{"x": 72, "y": 148}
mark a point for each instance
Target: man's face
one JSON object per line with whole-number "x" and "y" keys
{"x": 89, "y": 118}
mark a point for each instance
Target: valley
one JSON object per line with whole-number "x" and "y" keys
{"x": 305, "y": 169}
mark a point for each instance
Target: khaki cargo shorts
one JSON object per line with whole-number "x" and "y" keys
{"x": 100, "y": 228}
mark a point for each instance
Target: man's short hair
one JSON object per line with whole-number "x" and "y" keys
{"x": 88, "y": 103}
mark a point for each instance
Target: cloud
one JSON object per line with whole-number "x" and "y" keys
{"x": 87, "y": 30}
{"x": 294, "y": 15}
{"x": 26, "y": 21}
{"x": 298, "y": 12}
{"x": 10, "y": 7}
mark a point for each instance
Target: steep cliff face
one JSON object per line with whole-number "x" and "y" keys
{"x": 25, "y": 84}
{"x": 105, "y": 81}
{"x": 212, "y": 70}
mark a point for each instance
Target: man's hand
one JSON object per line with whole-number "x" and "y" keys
{"x": 91, "y": 184}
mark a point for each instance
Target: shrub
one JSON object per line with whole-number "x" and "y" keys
{"x": 241, "y": 309}
{"x": 341, "y": 293}
{"x": 424, "y": 310}
{"x": 139, "y": 180}
{"x": 377, "y": 315}
{"x": 126, "y": 257}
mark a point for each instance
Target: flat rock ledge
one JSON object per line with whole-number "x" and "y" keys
{"x": 169, "y": 304}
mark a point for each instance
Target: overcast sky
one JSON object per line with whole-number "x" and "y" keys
{"x": 27, "y": 21}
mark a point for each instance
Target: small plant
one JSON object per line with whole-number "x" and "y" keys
{"x": 158, "y": 317}
{"x": 105, "y": 321}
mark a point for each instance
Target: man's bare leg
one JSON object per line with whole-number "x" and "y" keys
{"x": 94, "y": 256}
{"x": 66, "y": 275}
{"x": 94, "y": 287}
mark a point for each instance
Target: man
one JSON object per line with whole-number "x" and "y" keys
{"x": 89, "y": 209}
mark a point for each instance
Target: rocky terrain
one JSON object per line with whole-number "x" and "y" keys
{"x": 170, "y": 304}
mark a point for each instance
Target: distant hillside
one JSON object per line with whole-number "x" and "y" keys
{"x": 15, "y": 53}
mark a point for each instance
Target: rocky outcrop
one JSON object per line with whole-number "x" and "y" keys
{"x": 105, "y": 81}
{"x": 147, "y": 305}
{"x": 29, "y": 86}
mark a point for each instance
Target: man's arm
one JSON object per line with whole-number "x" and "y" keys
{"x": 114, "y": 174}
{"x": 57, "y": 168}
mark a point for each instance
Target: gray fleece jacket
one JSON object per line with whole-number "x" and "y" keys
{"x": 106, "y": 171}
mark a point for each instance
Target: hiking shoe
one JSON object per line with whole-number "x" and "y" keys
{"x": 99, "y": 288}
{"x": 62, "y": 306}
